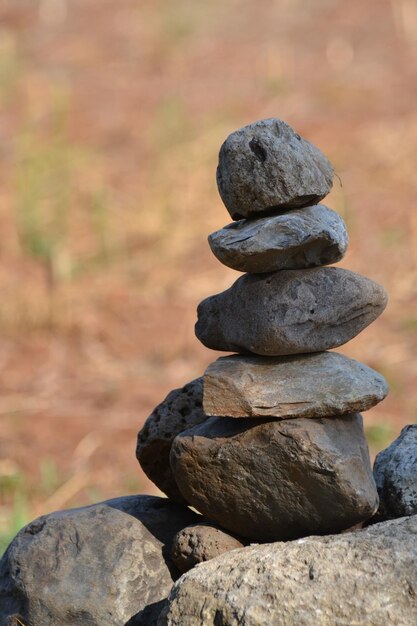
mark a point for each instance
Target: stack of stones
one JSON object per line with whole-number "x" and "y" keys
{"x": 269, "y": 444}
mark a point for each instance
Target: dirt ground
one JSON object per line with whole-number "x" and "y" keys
{"x": 111, "y": 118}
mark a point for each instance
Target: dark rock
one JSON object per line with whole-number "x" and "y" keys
{"x": 322, "y": 384}
{"x": 302, "y": 238}
{"x": 181, "y": 409}
{"x": 102, "y": 565}
{"x": 290, "y": 312}
{"x": 267, "y": 167}
{"x": 368, "y": 577}
{"x": 272, "y": 480}
{"x": 395, "y": 473}
{"x": 201, "y": 542}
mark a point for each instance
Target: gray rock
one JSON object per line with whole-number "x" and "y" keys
{"x": 275, "y": 480}
{"x": 290, "y": 312}
{"x": 201, "y": 542}
{"x": 267, "y": 167}
{"x": 395, "y": 473}
{"x": 181, "y": 409}
{"x": 102, "y": 565}
{"x": 322, "y": 384}
{"x": 302, "y": 238}
{"x": 365, "y": 578}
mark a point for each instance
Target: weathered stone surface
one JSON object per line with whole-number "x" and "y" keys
{"x": 368, "y": 577}
{"x": 395, "y": 473}
{"x": 101, "y": 565}
{"x": 301, "y": 238}
{"x": 274, "y": 480}
{"x": 181, "y": 409}
{"x": 267, "y": 166}
{"x": 322, "y": 384}
{"x": 201, "y": 542}
{"x": 290, "y": 312}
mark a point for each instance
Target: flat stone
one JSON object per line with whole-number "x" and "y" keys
{"x": 290, "y": 312}
{"x": 301, "y": 238}
{"x": 275, "y": 480}
{"x": 201, "y": 542}
{"x": 321, "y": 384}
{"x": 102, "y": 565}
{"x": 181, "y": 409}
{"x": 395, "y": 473}
{"x": 368, "y": 577}
{"x": 267, "y": 167}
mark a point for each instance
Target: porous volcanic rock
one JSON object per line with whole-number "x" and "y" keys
{"x": 181, "y": 409}
{"x": 301, "y": 238}
{"x": 321, "y": 384}
{"x": 273, "y": 480}
{"x": 290, "y": 312}
{"x": 101, "y": 565}
{"x": 367, "y": 577}
{"x": 267, "y": 167}
{"x": 395, "y": 473}
{"x": 201, "y": 542}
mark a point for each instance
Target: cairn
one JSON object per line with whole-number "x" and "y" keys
{"x": 269, "y": 444}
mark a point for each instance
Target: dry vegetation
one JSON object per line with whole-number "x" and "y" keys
{"x": 111, "y": 117}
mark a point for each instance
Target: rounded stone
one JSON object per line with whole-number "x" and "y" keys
{"x": 267, "y": 167}
{"x": 201, "y": 542}
{"x": 395, "y": 473}
{"x": 101, "y": 565}
{"x": 273, "y": 480}
{"x": 367, "y": 577}
{"x": 181, "y": 409}
{"x": 290, "y": 312}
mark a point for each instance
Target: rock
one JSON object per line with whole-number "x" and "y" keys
{"x": 368, "y": 577}
{"x": 272, "y": 480}
{"x": 201, "y": 542}
{"x": 267, "y": 167}
{"x": 181, "y": 409}
{"x": 302, "y": 238}
{"x": 322, "y": 384}
{"x": 290, "y": 312}
{"x": 101, "y": 565}
{"x": 395, "y": 473}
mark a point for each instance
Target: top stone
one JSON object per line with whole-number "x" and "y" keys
{"x": 267, "y": 168}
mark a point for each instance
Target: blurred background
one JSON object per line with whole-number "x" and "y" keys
{"x": 111, "y": 117}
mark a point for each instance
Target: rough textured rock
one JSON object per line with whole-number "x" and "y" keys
{"x": 290, "y": 312}
{"x": 395, "y": 473}
{"x": 368, "y": 577}
{"x": 181, "y": 409}
{"x": 275, "y": 480}
{"x": 103, "y": 565}
{"x": 322, "y": 384}
{"x": 267, "y": 166}
{"x": 199, "y": 543}
{"x": 301, "y": 238}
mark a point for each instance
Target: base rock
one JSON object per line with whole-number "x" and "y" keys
{"x": 367, "y": 577}
{"x": 102, "y": 565}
